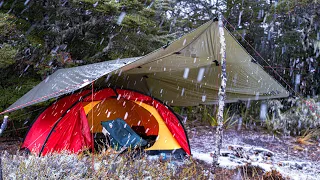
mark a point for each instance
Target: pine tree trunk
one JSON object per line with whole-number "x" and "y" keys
{"x": 222, "y": 95}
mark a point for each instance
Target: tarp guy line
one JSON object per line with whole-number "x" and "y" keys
{"x": 256, "y": 52}
{"x": 266, "y": 63}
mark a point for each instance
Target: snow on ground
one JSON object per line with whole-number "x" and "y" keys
{"x": 259, "y": 149}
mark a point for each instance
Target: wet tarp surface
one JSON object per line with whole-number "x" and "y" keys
{"x": 188, "y": 73}
{"x": 64, "y": 81}
{"x": 183, "y": 74}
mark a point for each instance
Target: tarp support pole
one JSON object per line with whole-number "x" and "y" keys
{"x": 222, "y": 97}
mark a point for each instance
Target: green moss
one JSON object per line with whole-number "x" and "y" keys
{"x": 35, "y": 40}
{"x": 7, "y": 26}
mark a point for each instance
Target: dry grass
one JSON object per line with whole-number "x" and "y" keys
{"x": 106, "y": 166}
{"x": 306, "y": 138}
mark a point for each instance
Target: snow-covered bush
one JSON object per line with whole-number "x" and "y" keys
{"x": 304, "y": 114}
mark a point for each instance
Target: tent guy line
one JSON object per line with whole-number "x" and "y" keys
{"x": 258, "y": 54}
{"x": 269, "y": 66}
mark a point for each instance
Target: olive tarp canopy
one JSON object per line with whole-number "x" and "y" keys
{"x": 182, "y": 74}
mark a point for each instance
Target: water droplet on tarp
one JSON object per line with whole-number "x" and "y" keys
{"x": 204, "y": 98}
{"x": 182, "y": 92}
{"x": 186, "y": 73}
{"x": 200, "y": 74}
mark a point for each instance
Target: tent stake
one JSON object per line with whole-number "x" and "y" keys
{"x": 222, "y": 96}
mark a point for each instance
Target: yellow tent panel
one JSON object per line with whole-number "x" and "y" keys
{"x": 165, "y": 139}
{"x": 87, "y": 106}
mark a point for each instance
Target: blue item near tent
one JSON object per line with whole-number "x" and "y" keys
{"x": 121, "y": 135}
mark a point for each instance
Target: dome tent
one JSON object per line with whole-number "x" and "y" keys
{"x": 65, "y": 125}
{"x": 184, "y": 73}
